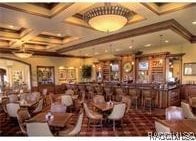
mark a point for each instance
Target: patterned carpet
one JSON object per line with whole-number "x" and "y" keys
{"x": 135, "y": 123}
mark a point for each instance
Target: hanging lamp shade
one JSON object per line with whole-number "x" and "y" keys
{"x": 108, "y": 18}
{"x": 22, "y": 53}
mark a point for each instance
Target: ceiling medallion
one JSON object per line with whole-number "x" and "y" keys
{"x": 108, "y": 18}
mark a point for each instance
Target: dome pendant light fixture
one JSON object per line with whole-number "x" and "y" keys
{"x": 108, "y": 18}
{"x": 23, "y": 53}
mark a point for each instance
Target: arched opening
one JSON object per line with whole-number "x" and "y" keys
{"x": 14, "y": 73}
{"x": 2, "y": 78}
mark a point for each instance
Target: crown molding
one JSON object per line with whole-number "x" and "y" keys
{"x": 41, "y": 53}
{"x": 155, "y": 27}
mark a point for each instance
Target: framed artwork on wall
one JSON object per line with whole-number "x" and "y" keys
{"x": 190, "y": 69}
{"x": 45, "y": 75}
{"x": 71, "y": 74}
{"x": 67, "y": 74}
{"x": 17, "y": 77}
{"x": 62, "y": 73}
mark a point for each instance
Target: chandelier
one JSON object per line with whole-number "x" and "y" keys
{"x": 108, "y": 18}
{"x": 22, "y": 53}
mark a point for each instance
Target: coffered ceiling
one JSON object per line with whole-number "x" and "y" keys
{"x": 59, "y": 28}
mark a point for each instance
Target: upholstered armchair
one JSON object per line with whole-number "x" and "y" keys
{"x": 22, "y": 116}
{"x": 69, "y": 92}
{"x": 192, "y": 100}
{"x": 99, "y": 90}
{"x": 187, "y": 111}
{"x": 39, "y": 106}
{"x": 117, "y": 114}
{"x": 92, "y": 116}
{"x": 59, "y": 108}
{"x": 75, "y": 130}
{"x": 44, "y": 95}
{"x": 98, "y": 99}
{"x": 160, "y": 128}
{"x": 38, "y": 129}
{"x": 174, "y": 113}
{"x": 67, "y": 101}
{"x": 127, "y": 100}
{"x": 12, "y": 109}
{"x": 4, "y": 100}
{"x": 13, "y": 98}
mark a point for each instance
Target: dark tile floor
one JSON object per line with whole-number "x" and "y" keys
{"x": 135, "y": 123}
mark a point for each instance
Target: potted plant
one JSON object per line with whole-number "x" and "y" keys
{"x": 86, "y": 72}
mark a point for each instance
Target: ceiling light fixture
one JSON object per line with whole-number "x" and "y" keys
{"x": 23, "y": 53}
{"x": 147, "y": 45}
{"x": 194, "y": 22}
{"x": 166, "y": 41}
{"x": 59, "y": 35}
{"x": 108, "y": 18}
{"x": 11, "y": 26}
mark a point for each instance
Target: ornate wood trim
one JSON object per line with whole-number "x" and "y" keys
{"x": 152, "y": 55}
{"x": 164, "y": 25}
{"x": 36, "y": 13}
{"x": 41, "y": 53}
{"x": 193, "y": 39}
{"x": 168, "y": 11}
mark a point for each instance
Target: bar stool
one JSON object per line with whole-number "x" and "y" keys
{"x": 134, "y": 96}
{"x": 148, "y": 96}
{"x": 119, "y": 93}
{"x": 90, "y": 90}
{"x": 108, "y": 93}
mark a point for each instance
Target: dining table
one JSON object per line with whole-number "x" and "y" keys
{"x": 103, "y": 106}
{"x": 180, "y": 126}
{"x": 60, "y": 119}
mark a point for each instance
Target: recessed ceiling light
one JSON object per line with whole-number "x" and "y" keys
{"x": 147, "y": 45}
{"x": 194, "y": 22}
{"x": 166, "y": 41}
{"x": 117, "y": 49}
{"x": 11, "y": 26}
{"x": 59, "y": 34}
{"x": 130, "y": 47}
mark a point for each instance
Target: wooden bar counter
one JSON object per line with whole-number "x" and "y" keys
{"x": 168, "y": 97}
{"x": 164, "y": 97}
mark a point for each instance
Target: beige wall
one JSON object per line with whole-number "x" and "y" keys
{"x": 188, "y": 49}
{"x": 49, "y": 61}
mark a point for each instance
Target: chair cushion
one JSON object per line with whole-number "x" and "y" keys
{"x": 96, "y": 115}
{"x": 65, "y": 132}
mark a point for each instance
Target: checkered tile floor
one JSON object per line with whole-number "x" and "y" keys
{"x": 135, "y": 123}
